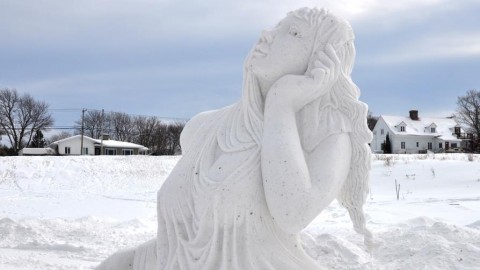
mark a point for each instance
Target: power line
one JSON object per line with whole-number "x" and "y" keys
{"x": 63, "y": 109}
{"x": 129, "y": 114}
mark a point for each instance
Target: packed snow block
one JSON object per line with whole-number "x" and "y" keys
{"x": 254, "y": 174}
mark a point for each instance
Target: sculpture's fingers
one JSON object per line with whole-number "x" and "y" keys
{"x": 332, "y": 55}
{"x": 319, "y": 74}
{"x": 330, "y": 64}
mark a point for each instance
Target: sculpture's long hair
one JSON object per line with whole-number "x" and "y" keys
{"x": 343, "y": 98}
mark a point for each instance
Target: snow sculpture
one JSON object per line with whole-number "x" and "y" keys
{"x": 254, "y": 174}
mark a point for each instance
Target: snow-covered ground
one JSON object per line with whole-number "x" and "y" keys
{"x": 71, "y": 212}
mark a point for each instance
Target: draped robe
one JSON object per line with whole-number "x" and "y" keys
{"x": 212, "y": 211}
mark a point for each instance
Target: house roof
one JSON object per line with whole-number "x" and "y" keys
{"x": 118, "y": 144}
{"x": 106, "y": 143}
{"x": 73, "y": 138}
{"x": 444, "y": 126}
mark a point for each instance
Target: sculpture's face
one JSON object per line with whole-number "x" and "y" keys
{"x": 286, "y": 49}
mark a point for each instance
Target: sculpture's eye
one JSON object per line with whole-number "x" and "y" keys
{"x": 294, "y": 31}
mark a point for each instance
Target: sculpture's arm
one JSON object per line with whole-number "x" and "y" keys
{"x": 298, "y": 186}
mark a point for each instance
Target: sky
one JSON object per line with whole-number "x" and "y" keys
{"x": 176, "y": 58}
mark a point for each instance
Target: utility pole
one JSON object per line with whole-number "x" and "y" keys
{"x": 101, "y": 133}
{"x": 81, "y": 142}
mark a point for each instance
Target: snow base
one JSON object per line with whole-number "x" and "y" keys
{"x": 72, "y": 212}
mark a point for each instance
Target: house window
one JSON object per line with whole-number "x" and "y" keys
{"x": 457, "y": 130}
{"x": 402, "y": 129}
{"x": 432, "y": 130}
{"x": 402, "y": 145}
{"x": 440, "y": 145}
{"x": 454, "y": 145}
{"x": 381, "y": 131}
{"x": 85, "y": 151}
{"x": 67, "y": 150}
{"x": 110, "y": 151}
{"x": 127, "y": 152}
{"x": 430, "y": 146}
{"x": 418, "y": 144}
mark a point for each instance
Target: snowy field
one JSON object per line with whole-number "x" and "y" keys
{"x": 72, "y": 212}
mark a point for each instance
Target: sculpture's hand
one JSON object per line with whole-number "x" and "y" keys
{"x": 298, "y": 90}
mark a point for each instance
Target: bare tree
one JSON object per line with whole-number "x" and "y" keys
{"x": 95, "y": 123}
{"x": 145, "y": 128}
{"x": 174, "y": 131}
{"x": 468, "y": 113}
{"x": 121, "y": 126}
{"x": 166, "y": 138}
{"x": 21, "y": 117}
{"x": 160, "y": 140}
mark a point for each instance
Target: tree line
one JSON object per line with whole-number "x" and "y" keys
{"x": 24, "y": 119}
{"x": 162, "y": 138}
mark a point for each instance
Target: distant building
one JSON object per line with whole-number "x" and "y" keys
{"x": 412, "y": 135}
{"x": 72, "y": 145}
{"x": 36, "y": 152}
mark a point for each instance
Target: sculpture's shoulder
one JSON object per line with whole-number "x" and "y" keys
{"x": 198, "y": 125}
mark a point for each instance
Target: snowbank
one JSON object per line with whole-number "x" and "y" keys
{"x": 71, "y": 212}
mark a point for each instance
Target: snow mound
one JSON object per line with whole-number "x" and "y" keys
{"x": 475, "y": 225}
{"x": 72, "y": 212}
{"x": 430, "y": 246}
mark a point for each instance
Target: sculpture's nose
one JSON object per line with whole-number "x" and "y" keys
{"x": 268, "y": 36}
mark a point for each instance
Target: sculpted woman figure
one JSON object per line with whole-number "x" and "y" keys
{"x": 254, "y": 174}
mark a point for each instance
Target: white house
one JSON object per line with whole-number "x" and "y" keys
{"x": 411, "y": 135}
{"x": 72, "y": 145}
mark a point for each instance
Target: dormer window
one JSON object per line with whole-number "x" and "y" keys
{"x": 432, "y": 128}
{"x": 401, "y": 127}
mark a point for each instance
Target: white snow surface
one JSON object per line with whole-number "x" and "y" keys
{"x": 72, "y": 212}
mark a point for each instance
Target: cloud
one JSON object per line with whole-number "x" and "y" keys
{"x": 431, "y": 48}
{"x": 446, "y": 31}
{"x": 126, "y": 22}
{"x": 101, "y": 47}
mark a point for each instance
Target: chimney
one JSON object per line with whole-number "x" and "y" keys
{"x": 414, "y": 115}
{"x": 105, "y": 137}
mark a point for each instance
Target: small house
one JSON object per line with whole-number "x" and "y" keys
{"x": 412, "y": 134}
{"x": 105, "y": 146}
